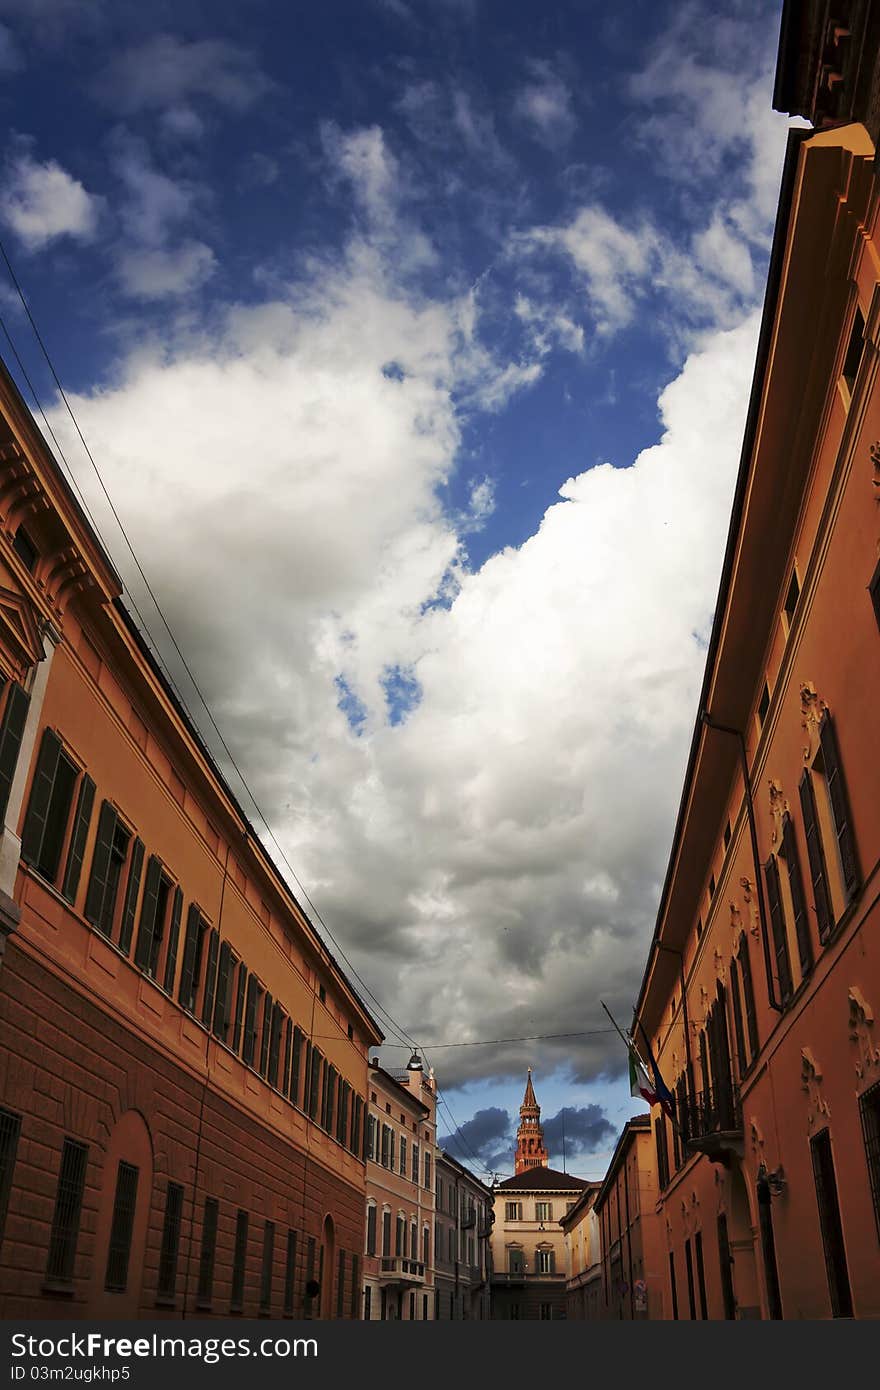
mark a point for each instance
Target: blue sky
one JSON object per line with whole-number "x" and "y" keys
{"x": 413, "y": 342}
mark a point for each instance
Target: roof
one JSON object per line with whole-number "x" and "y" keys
{"x": 639, "y": 1124}
{"x": 543, "y": 1180}
{"x": 529, "y": 1101}
{"x": 573, "y": 1215}
{"x": 401, "y": 1092}
{"x": 444, "y": 1157}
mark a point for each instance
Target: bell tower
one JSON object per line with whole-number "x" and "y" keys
{"x": 530, "y": 1151}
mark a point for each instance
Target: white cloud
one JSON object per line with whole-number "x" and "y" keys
{"x": 166, "y": 71}
{"x": 41, "y": 202}
{"x": 152, "y": 272}
{"x": 182, "y": 123}
{"x": 545, "y": 104}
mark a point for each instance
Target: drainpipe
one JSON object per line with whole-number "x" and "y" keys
{"x": 706, "y": 719}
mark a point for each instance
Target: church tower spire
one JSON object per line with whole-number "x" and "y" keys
{"x": 530, "y": 1151}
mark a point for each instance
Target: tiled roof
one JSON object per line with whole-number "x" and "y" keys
{"x": 543, "y": 1180}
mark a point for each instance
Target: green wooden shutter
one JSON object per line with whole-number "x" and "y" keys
{"x": 239, "y": 1006}
{"x": 76, "y": 854}
{"x": 250, "y": 1019}
{"x": 816, "y": 855}
{"x": 777, "y": 923}
{"x": 738, "y": 1031}
{"x": 132, "y": 888}
{"x": 295, "y": 1063}
{"x": 41, "y": 795}
{"x": 275, "y": 1044}
{"x": 11, "y": 732}
{"x": 265, "y": 1033}
{"x": 210, "y": 978}
{"x": 840, "y": 806}
{"x": 100, "y": 863}
{"x": 745, "y": 966}
{"x": 144, "y": 948}
{"x": 173, "y": 939}
{"x": 285, "y": 1071}
{"x": 799, "y": 905}
{"x": 190, "y": 946}
{"x": 221, "y": 1003}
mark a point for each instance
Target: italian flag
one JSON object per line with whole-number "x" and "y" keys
{"x": 639, "y": 1085}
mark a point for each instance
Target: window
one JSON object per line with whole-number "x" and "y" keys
{"x": 11, "y": 734}
{"x": 777, "y": 927}
{"x": 725, "y": 1265}
{"x": 223, "y": 995}
{"x": 371, "y": 1136}
{"x": 386, "y": 1231}
{"x": 10, "y": 1129}
{"x": 403, "y": 1167}
{"x": 371, "y": 1229}
{"x": 119, "y": 1250}
{"x": 68, "y": 1206}
{"x": 289, "y": 1275}
{"x": 701, "y": 1274}
{"x": 276, "y": 1029}
{"x": 515, "y": 1261}
{"x": 386, "y": 1145}
{"x": 208, "y": 1252}
{"x": 428, "y": 1178}
{"x": 25, "y": 549}
{"x": 763, "y": 705}
{"x": 793, "y": 593}
{"x": 828, "y": 823}
{"x": 265, "y": 1034}
{"x": 239, "y": 1258}
{"x": 400, "y": 1235}
{"x": 711, "y": 886}
{"x": 415, "y": 1161}
{"x": 342, "y": 1112}
{"x": 546, "y": 1261}
{"x": 543, "y": 1211}
{"x": 173, "y": 942}
{"x": 738, "y": 1031}
{"x": 266, "y": 1271}
{"x": 513, "y": 1211}
{"x": 672, "y": 1286}
{"x": 830, "y": 1223}
{"x": 49, "y": 806}
{"x": 874, "y": 591}
{"x": 154, "y": 914}
{"x": 546, "y": 1312}
{"x": 328, "y": 1107}
{"x": 727, "y": 835}
{"x": 368, "y": 1308}
{"x": 869, "y": 1109}
{"x": 854, "y": 349}
{"x": 413, "y": 1241}
{"x": 426, "y": 1246}
{"x": 299, "y": 1040}
{"x": 788, "y": 853}
{"x": 170, "y": 1248}
{"x": 662, "y": 1152}
{"x": 193, "y": 951}
{"x": 689, "y": 1270}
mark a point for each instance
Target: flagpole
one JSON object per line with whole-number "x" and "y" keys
{"x": 630, "y": 1045}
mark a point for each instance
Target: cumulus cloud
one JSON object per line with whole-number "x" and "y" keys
{"x": 156, "y": 273}
{"x": 576, "y": 1131}
{"x": 167, "y": 71}
{"x": 42, "y": 202}
{"x": 488, "y": 1135}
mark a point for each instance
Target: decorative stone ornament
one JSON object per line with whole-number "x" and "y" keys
{"x": 778, "y": 809}
{"x": 875, "y": 463}
{"x": 811, "y": 1082}
{"x": 861, "y": 1024}
{"x": 812, "y": 709}
{"x": 749, "y": 898}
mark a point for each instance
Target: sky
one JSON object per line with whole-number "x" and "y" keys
{"x": 412, "y": 340}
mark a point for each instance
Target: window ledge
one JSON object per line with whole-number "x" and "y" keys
{"x": 56, "y": 1287}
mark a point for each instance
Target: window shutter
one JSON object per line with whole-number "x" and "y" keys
{"x": 250, "y": 1019}
{"x": 288, "y": 1046}
{"x": 190, "y": 945}
{"x": 144, "y": 948}
{"x": 298, "y": 1040}
{"x": 173, "y": 939}
{"x": 239, "y": 1006}
{"x": 307, "y": 1074}
{"x": 100, "y": 863}
{"x": 796, "y": 884}
{"x": 816, "y": 855}
{"x": 41, "y": 793}
{"x": 738, "y": 1030}
{"x": 275, "y": 1044}
{"x": 11, "y": 732}
{"x": 210, "y": 978}
{"x": 221, "y": 1003}
{"x": 265, "y": 1033}
{"x": 839, "y": 806}
{"x": 81, "y": 823}
{"x": 777, "y": 923}
{"x": 131, "y": 895}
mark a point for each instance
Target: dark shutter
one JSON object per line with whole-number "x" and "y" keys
{"x": 221, "y": 1003}
{"x": 816, "y": 855}
{"x": 131, "y": 895}
{"x": 739, "y": 1034}
{"x": 173, "y": 939}
{"x": 265, "y": 1034}
{"x": 41, "y": 795}
{"x": 190, "y": 946}
{"x": 840, "y": 806}
{"x": 662, "y": 1152}
{"x": 210, "y": 978}
{"x": 170, "y": 1248}
{"x": 77, "y": 851}
{"x": 288, "y": 1044}
{"x": 295, "y": 1065}
{"x": 275, "y": 1044}
{"x": 798, "y": 901}
{"x": 11, "y": 732}
{"x": 239, "y": 1006}
{"x": 64, "y": 1234}
{"x": 100, "y": 864}
{"x": 144, "y": 949}
{"x": 250, "y": 1016}
{"x": 831, "y": 1225}
{"x": 777, "y": 924}
{"x": 122, "y": 1227}
{"x": 745, "y": 966}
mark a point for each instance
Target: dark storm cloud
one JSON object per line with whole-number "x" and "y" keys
{"x": 488, "y": 1136}
{"x": 586, "y": 1130}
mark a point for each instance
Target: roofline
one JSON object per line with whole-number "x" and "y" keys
{"x": 592, "y": 1190}
{"x": 782, "y": 77}
{"x": 796, "y": 138}
{"x": 404, "y": 1090}
{"x": 639, "y": 1124}
{"x": 445, "y": 1157}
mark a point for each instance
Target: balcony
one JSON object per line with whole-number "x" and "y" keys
{"x": 712, "y": 1123}
{"x": 394, "y": 1269}
{"x": 468, "y": 1218}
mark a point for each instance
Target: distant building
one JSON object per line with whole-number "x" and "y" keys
{"x": 400, "y": 1150}
{"x": 583, "y": 1255}
{"x": 529, "y": 1266}
{"x": 462, "y": 1253}
{"x": 632, "y": 1248}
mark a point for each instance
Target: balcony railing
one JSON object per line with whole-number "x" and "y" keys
{"x": 711, "y": 1122}
{"x": 468, "y": 1218}
{"x": 397, "y": 1270}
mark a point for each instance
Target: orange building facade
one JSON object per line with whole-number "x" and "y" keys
{"x": 630, "y": 1245}
{"x": 762, "y": 986}
{"x": 184, "y": 1066}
